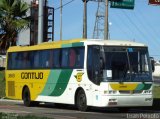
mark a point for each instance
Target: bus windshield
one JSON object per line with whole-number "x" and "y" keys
{"x": 119, "y": 64}
{"x": 126, "y": 64}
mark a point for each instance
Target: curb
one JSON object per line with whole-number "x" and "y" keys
{"x": 9, "y": 100}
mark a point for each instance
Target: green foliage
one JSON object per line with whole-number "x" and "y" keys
{"x": 156, "y": 92}
{"x": 2, "y": 85}
{"x": 13, "y": 19}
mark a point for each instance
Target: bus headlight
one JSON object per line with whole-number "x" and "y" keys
{"x": 110, "y": 92}
{"x": 113, "y": 92}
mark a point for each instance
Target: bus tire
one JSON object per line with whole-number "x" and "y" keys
{"x": 35, "y": 103}
{"x": 81, "y": 101}
{"x": 26, "y": 97}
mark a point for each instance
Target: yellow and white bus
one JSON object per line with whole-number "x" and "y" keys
{"x": 99, "y": 73}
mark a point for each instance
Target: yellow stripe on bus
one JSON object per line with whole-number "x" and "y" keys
{"x": 43, "y": 46}
{"x": 123, "y": 86}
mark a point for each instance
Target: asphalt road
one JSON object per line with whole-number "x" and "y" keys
{"x": 69, "y": 112}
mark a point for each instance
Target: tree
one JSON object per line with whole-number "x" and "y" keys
{"x": 13, "y": 19}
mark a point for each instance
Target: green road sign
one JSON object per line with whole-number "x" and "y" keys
{"x": 123, "y": 4}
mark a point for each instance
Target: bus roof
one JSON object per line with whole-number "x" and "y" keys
{"x": 45, "y": 45}
{"x": 64, "y": 43}
{"x": 114, "y": 43}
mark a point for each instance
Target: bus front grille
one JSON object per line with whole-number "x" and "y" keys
{"x": 11, "y": 88}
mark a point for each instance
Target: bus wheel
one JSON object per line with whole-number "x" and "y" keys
{"x": 81, "y": 101}
{"x": 26, "y": 97}
{"x": 35, "y": 103}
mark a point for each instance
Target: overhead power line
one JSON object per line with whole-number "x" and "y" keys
{"x": 147, "y": 29}
{"x": 65, "y": 4}
{"x": 124, "y": 24}
{"x": 136, "y": 26}
{"x": 148, "y": 23}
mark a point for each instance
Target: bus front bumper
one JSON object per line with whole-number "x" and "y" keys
{"x": 124, "y": 101}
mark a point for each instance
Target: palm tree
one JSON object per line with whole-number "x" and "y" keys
{"x": 13, "y": 19}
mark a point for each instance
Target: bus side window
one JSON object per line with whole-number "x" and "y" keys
{"x": 79, "y": 57}
{"x": 65, "y": 58}
{"x": 97, "y": 74}
{"x": 36, "y": 61}
{"x": 89, "y": 64}
{"x": 56, "y": 58}
{"x": 93, "y": 64}
{"x": 11, "y": 62}
{"x": 72, "y": 58}
{"x": 19, "y": 60}
{"x": 44, "y": 62}
{"x": 51, "y": 59}
{"x": 26, "y": 61}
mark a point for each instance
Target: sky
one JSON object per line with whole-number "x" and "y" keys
{"x": 142, "y": 24}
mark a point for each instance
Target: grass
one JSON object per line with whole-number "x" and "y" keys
{"x": 16, "y": 116}
{"x": 156, "y": 91}
{"x": 2, "y": 85}
{"x": 156, "y": 96}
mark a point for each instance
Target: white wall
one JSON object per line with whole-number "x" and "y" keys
{"x": 156, "y": 73}
{"x": 24, "y": 37}
{"x": 2, "y": 60}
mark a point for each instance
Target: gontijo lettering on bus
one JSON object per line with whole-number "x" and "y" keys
{"x": 32, "y": 75}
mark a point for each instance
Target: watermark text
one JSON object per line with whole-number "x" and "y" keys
{"x": 143, "y": 115}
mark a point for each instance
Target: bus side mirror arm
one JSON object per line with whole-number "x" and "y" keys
{"x": 152, "y": 64}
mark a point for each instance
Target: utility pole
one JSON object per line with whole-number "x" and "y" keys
{"x": 98, "y": 32}
{"x": 61, "y": 20}
{"x": 85, "y": 19}
{"x": 101, "y": 28}
{"x": 106, "y": 21}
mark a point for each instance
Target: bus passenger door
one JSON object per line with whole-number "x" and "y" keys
{"x": 94, "y": 71}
